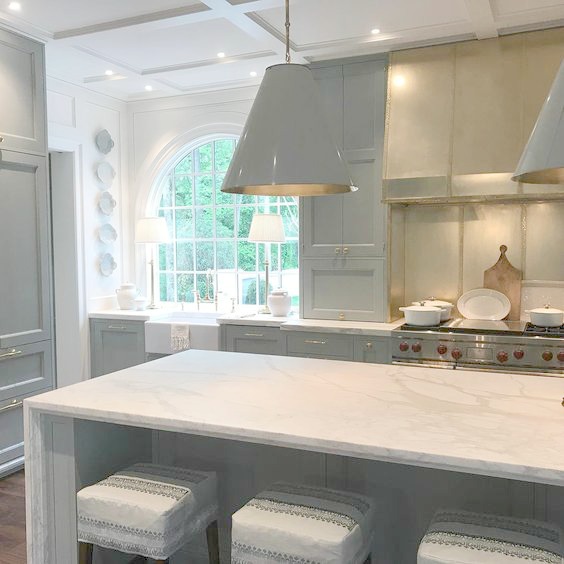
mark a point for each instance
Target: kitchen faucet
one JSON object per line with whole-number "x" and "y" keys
{"x": 207, "y": 299}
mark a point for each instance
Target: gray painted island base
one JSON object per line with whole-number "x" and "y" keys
{"x": 414, "y": 438}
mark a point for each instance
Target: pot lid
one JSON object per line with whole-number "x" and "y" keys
{"x": 127, "y": 286}
{"x": 279, "y": 292}
{"x": 433, "y": 302}
{"x": 420, "y": 308}
{"x": 546, "y": 309}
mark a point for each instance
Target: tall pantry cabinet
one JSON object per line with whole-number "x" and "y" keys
{"x": 26, "y": 314}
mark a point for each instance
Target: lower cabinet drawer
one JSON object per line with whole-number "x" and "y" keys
{"x": 25, "y": 369}
{"x": 374, "y": 350}
{"x": 255, "y": 340}
{"x": 320, "y": 345}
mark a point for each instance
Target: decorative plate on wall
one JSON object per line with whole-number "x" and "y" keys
{"x": 107, "y": 233}
{"x": 107, "y": 264}
{"x": 104, "y": 141}
{"x": 106, "y": 173}
{"x": 106, "y": 203}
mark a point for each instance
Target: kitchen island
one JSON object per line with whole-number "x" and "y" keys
{"x": 256, "y": 418}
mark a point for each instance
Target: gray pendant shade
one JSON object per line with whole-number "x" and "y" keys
{"x": 286, "y": 148}
{"x": 542, "y": 161}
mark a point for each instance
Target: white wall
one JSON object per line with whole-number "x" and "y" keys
{"x": 75, "y": 116}
{"x": 160, "y": 128}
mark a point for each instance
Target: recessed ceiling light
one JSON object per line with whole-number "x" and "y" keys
{"x": 109, "y": 73}
{"x": 375, "y": 31}
{"x": 148, "y": 88}
{"x": 253, "y": 73}
{"x": 221, "y": 54}
{"x": 15, "y": 6}
{"x": 399, "y": 80}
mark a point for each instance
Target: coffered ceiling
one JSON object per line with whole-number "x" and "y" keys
{"x": 134, "y": 49}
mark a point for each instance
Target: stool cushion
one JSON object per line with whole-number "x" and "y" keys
{"x": 147, "y": 509}
{"x": 303, "y": 525}
{"x": 476, "y": 538}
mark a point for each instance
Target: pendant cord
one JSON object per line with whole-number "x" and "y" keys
{"x": 288, "y": 58}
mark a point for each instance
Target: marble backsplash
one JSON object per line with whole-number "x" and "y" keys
{"x": 442, "y": 251}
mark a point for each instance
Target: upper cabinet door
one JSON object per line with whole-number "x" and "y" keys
{"x": 25, "y": 252}
{"x": 22, "y": 95}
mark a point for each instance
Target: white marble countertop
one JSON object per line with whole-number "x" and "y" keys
{"x": 252, "y": 319}
{"x": 478, "y": 422}
{"x": 129, "y": 314}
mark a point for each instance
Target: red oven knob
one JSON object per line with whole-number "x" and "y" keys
{"x": 502, "y": 356}
{"x": 456, "y": 354}
{"x": 442, "y": 349}
{"x": 416, "y": 347}
{"x": 561, "y": 356}
{"x": 518, "y": 354}
{"x": 547, "y": 355}
{"x": 404, "y": 346}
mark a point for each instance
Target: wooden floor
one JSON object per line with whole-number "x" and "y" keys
{"x": 12, "y": 519}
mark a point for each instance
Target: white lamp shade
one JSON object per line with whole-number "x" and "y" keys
{"x": 151, "y": 230}
{"x": 267, "y": 228}
{"x": 542, "y": 161}
{"x": 286, "y": 147}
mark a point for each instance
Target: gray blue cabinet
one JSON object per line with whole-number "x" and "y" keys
{"x": 25, "y": 308}
{"x": 116, "y": 344}
{"x": 350, "y": 227}
{"x": 254, "y": 339}
{"x": 374, "y": 350}
{"x": 22, "y": 84}
{"x": 320, "y": 345}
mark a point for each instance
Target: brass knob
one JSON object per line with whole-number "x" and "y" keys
{"x": 341, "y": 316}
{"x": 562, "y": 402}
{"x": 346, "y": 251}
{"x": 1, "y": 138}
{"x": 369, "y": 345}
{"x": 337, "y": 250}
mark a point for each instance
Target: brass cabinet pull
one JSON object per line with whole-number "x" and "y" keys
{"x": 369, "y": 345}
{"x": 1, "y": 138}
{"x": 120, "y": 327}
{"x": 346, "y": 251}
{"x": 254, "y": 335}
{"x": 314, "y": 342}
{"x": 337, "y": 250}
{"x": 10, "y": 354}
{"x": 12, "y": 405}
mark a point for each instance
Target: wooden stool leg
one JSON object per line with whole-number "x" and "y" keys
{"x": 161, "y": 561}
{"x": 85, "y": 553}
{"x": 213, "y": 543}
{"x": 368, "y": 560}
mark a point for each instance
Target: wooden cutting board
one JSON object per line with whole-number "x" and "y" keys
{"x": 505, "y": 278}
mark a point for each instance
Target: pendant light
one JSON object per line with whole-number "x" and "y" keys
{"x": 542, "y": 161}
{"x": 286, "y": 148}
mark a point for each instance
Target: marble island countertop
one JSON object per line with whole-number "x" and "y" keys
{"x": 484, "y": 423}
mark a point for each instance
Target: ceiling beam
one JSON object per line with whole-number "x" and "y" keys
{"x": 482, "y": 18}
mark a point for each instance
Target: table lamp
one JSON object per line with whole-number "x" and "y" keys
{"x": 267, "y": 228}
{"x": 151, "y": 231}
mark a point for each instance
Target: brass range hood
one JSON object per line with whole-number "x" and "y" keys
{"x": 287, "y": 148}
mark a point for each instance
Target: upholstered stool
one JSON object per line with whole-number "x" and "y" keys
{"x": 474, "y": 538}
{"x": 148, "y": 510}
{"x": 303, "y": 524}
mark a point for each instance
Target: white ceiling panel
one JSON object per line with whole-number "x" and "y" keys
{"x": 170, "y": 46}
{"x": 321, "y": 21}
{"x": 509, "y": 7}
{"x": 59, "y": 15}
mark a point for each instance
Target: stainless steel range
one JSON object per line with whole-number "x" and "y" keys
{"x": 507, "y": 346}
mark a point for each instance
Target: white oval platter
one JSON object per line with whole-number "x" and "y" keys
{"x": 483, "y": 303}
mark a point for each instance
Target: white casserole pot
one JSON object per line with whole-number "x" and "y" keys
{"x": 423, "y": 316}
{"x": 546, "y": 316}
{"x": 446, "y": 307}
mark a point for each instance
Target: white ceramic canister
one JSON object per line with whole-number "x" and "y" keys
{"x": 126, "y": 295}
{"x": 279, "y": 303}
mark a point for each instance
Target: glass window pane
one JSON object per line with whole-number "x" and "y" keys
{"x": 247, "y": 256}
{"x": 246, "y": 199}
{"x": 221, "y": 197}
{"x": 290, "y": 255}
{"x": 183, "y": 190}
{"x": 274, "y": 256}
{"x": 223, "y": 152}
{"x": 204, "y": 190}
{"x": 167, "y": 288}
{"x": 204, "y": 223}
{"x": 204, "y": 255}
{"x": 185, "y": 287}
{"x": 227, "y": 285}
{"x": 225, "y": 221}
{"x": 168, "y": 215}
{"x": 184, "y": 166}
{"x": 184, "y": 256}
{"x": 205, "y": 284}
{"x": 184, "y": 224}
{"x": 291, "y": 220}
{"x": 166, "y": 194}
{"x": 225, "y": 255}
{"x": 248, "y": 290}
{"x": 166, "y": 257}
{"x": 245, "y": 219}
{"x": 203, "y": 158}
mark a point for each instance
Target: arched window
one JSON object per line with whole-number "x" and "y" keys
{"x": 209, "y": 232}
